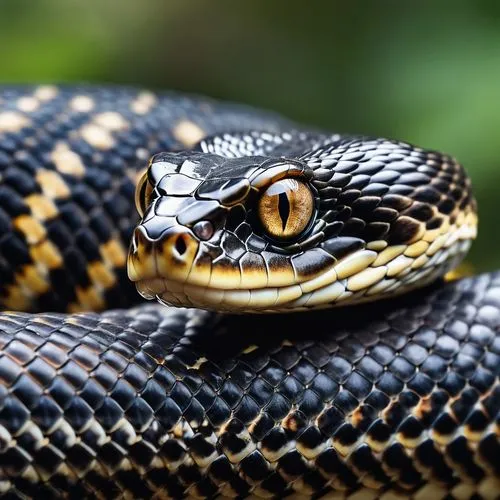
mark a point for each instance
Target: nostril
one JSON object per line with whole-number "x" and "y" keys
{"x": 180, "y": 245}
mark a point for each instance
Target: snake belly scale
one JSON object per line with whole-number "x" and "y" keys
{"x": 241, "y": 211}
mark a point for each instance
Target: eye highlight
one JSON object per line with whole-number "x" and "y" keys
{"x": 285, "y": 209}
{"x": 143, "y": 192}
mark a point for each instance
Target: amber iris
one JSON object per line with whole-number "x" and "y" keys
{"x": 285, "y": 209}
{"x": 143, "y": 192}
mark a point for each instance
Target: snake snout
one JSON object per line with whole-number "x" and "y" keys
{"x": 154, "y": 259}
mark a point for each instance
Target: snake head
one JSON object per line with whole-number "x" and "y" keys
{"x": 343, "y": 220}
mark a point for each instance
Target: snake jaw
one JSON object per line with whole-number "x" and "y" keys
{"x": 360, "y": 277}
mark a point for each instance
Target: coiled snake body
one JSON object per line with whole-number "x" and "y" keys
{"x": 241, "y": 211}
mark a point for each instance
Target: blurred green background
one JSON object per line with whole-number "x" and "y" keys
{"x": 426, "y": 72}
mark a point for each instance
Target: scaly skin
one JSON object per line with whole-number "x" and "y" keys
{"x": 395, "y": 399}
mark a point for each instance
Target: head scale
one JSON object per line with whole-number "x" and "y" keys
{"x": 344, "y": 220}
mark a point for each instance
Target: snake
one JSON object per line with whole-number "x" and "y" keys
{"x": 301, "y": 341}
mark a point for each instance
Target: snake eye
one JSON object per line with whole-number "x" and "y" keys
{"x": 285, "y": 209}
{"x": 143, "y": 192}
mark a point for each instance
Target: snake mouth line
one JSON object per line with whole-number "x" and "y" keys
{"x": 184, "y": 294}
{"x": 363, "y": 276}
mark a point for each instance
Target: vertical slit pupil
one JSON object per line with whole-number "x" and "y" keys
{"x": 283, "y": 209}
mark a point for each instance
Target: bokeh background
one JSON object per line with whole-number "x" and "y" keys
{"x": 427, "y": 72}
